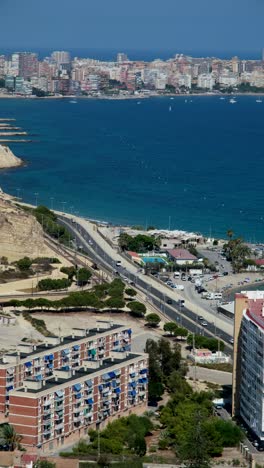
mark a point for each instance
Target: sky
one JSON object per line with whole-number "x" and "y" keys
{"x": 227, "y": 26}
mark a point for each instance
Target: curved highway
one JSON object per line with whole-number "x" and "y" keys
{"x": 85, "y": 240}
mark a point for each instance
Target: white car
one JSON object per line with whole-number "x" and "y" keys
{"x": 180, "y": 287}
{"x": 118, "y": 263}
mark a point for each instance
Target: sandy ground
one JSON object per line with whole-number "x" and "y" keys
{"x": 63, "y": 323}
{"x": 11, "y": 335}
{"x": 19, "y": 286}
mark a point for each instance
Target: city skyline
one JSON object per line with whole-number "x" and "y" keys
{"x": 193, "y": 27}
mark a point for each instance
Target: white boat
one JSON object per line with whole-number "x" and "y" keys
{"x": 258, "y": 100}
{"x": 222, "y": 98}
{"x": 232, "y": 101}
{"x": 170, "y": 109}
{"x": 73, "y": 102}
{"x": 138, "y": 102}
{"x": 185, "y": 100}
{"x": 172, "y": 98}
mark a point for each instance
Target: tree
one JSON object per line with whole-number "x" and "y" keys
{"x": 170, "y": 327}
{"x": 131, "y": 292}
{"x": 24, "y": 264}
{"x": 137, "y": 308}
{"x": 44, "y": 464}
{"x": 4, "y": 260}
{"x": 140, "y": 446}
{"x": 83, "y": 275}
{"x": 115, "y": 303}
{"x": 152, "y": 319}
{"x": 10, "y": 437}
{"x": 193, "y": 449}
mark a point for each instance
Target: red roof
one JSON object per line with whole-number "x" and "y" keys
{"x": 255, "y": 311}
{"x": 181, "y": 254}
{"x": 260, "y": 261}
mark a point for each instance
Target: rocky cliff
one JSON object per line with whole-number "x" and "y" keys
{"x": 8, "y": 159}
{"x": 20, "y": 234}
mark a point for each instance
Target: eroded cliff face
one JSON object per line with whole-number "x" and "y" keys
{"x": 20, "y": 234}
{"x": 8, "y": 159}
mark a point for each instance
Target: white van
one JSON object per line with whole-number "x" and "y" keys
{"x": 176, "y": 274}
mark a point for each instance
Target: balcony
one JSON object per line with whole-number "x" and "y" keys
{"x": 47, "y": 403}
{"x": 59, "y": 427}
{"x": 46, "y": 410}
{"x": 77, "y": 418}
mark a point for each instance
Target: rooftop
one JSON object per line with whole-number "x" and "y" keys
{"x": 181, "y": 254}
{"x": 78, "y": 374}
{"x": 63, "y": 341}
{"x": 255, "y": 311}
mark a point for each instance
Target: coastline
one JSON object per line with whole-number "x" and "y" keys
{"x": 130, "y": 97}
{"x": 7, "y": 158}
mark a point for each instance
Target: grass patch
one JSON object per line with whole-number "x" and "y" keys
{"x": 223, "y": 366}
{"x": 38, "y": 324}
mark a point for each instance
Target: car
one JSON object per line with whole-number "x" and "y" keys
{"x": 118, "y": 263}
{"x": 225, "y": 273}
{"x": 200, "y": 318}
{"x": 124, "y": 278}
{"x": 169, "y": 301}
{"x": 131, "y": 282}
{"x": 231, "y": 341}
{"x": 183, "y": 278}
{"x": 204, "y": 323}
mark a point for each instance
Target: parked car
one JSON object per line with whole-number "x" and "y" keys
{"x": 169, "y": 301}
{"x": 204, "y": 323}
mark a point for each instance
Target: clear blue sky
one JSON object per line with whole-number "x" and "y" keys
{"x": 193, "y": 25}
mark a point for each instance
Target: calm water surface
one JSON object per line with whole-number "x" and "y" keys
{"x": 200, "y": 165}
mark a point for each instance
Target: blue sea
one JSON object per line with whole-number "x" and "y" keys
{"x": 197, "y": 167}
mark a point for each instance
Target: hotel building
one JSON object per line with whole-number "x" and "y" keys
{"x": 248, "y": 370}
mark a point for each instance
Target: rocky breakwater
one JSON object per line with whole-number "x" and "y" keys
{"x": 8, "y": 159}
{"x": 20, "y": 233}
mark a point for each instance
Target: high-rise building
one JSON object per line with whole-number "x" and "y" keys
{"x": 121, "y": 57}
{"x": 60, "y": 57}
{"x": 28, "y": 64}
{"x": 79, "y": 384}
{"x": 248, "y": 370}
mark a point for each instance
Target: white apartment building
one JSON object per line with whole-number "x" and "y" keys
{"x": 248, "y": 377}
{"x": 205, "y": 81}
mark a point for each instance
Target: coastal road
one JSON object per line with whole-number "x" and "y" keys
{"x": 89, "y": 239}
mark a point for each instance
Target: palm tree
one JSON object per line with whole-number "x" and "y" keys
{"x": 10, "y": 437}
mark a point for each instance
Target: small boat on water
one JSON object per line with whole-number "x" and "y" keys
{"x": 232, "y": 101}
{"x": 139, "y": 102}
{"x": 170, "y": 109}
{"x": 172, "y": 98}
{"x": 258, "y": 100}
{"x": 222, "y": 98}
{"x": 73, "y": 102}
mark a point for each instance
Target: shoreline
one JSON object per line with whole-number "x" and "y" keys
{"x": 127, "y": 97}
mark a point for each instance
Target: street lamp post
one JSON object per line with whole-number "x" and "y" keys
{"x": 36, "y": 198}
